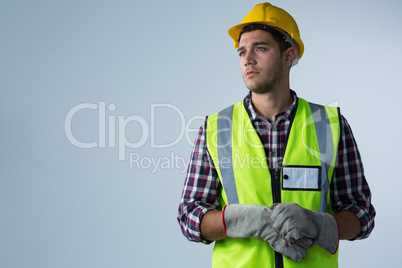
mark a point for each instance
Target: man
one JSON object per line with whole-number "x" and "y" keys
{"x": 274, "y": 180}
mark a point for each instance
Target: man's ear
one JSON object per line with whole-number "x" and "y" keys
{"x": 290, "y": 56}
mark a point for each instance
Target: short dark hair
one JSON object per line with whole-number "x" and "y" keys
{"x": 276, "y": 35}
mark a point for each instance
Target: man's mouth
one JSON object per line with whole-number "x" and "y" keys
{"x": 251, "y": 73}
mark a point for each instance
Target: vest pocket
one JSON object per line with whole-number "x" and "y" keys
{"x": 301, "y": 178}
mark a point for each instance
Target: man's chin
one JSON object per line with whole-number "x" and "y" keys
{"x": 260, "y": 90}
{"x": 255, "y": 88}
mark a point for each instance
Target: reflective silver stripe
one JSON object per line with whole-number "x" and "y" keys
{"x": 224, "y": 142}
{"x": 324, "y": 138}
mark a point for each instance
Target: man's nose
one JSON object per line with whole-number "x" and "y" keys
{"x": 249, "y": 59}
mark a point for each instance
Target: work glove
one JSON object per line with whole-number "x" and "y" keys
{"x": 293, "y": 223}
{"x": 244, "y": 221}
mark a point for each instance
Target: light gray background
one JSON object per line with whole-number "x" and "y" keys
{"x": 64, "y": 206}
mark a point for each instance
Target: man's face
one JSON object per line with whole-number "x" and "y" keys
{"x": 261, "y": 61}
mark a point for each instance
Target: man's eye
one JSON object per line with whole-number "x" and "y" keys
{"x": 260, "y": 48}
{"x": 242, "y": 53}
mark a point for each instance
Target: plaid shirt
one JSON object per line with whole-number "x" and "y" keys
{"x": 349, "y": 188}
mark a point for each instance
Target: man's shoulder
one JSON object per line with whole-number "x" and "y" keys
{"x": 225, "y": 111}
{"x": 332, "y": 106}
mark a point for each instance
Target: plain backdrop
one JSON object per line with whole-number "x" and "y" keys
{"x": 131, "y": 81}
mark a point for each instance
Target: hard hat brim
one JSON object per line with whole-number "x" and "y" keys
{"x": 234, "y": 33}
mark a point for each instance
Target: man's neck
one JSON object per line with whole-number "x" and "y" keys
{"x": 271, "y": 103}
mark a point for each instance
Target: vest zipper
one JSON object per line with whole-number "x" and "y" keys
{"x": 276, "y": 197}
{"x": 276, "y": 182}
{"x": 276, "y": 185}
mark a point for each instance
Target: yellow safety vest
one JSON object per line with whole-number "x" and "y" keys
{"x": 304, "y": 177}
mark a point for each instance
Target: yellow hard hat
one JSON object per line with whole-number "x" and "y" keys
{"x": 268, "y": 14}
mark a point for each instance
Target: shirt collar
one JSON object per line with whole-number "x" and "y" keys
{"x": 289, "y": 113}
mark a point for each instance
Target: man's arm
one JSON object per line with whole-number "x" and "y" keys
{"x": 350, "y": 192}
{"x": 212, "y": 228}
{"x": 349, "y": 225}
{"x": 199, "y": 191}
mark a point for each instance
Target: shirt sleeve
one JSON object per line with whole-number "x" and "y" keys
{"x": 350, "y": 190}
{"x": 200, "y": 190}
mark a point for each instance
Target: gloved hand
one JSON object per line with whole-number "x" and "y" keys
{"x": 293, "y": 222}
{"x": 244, "y": 221}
